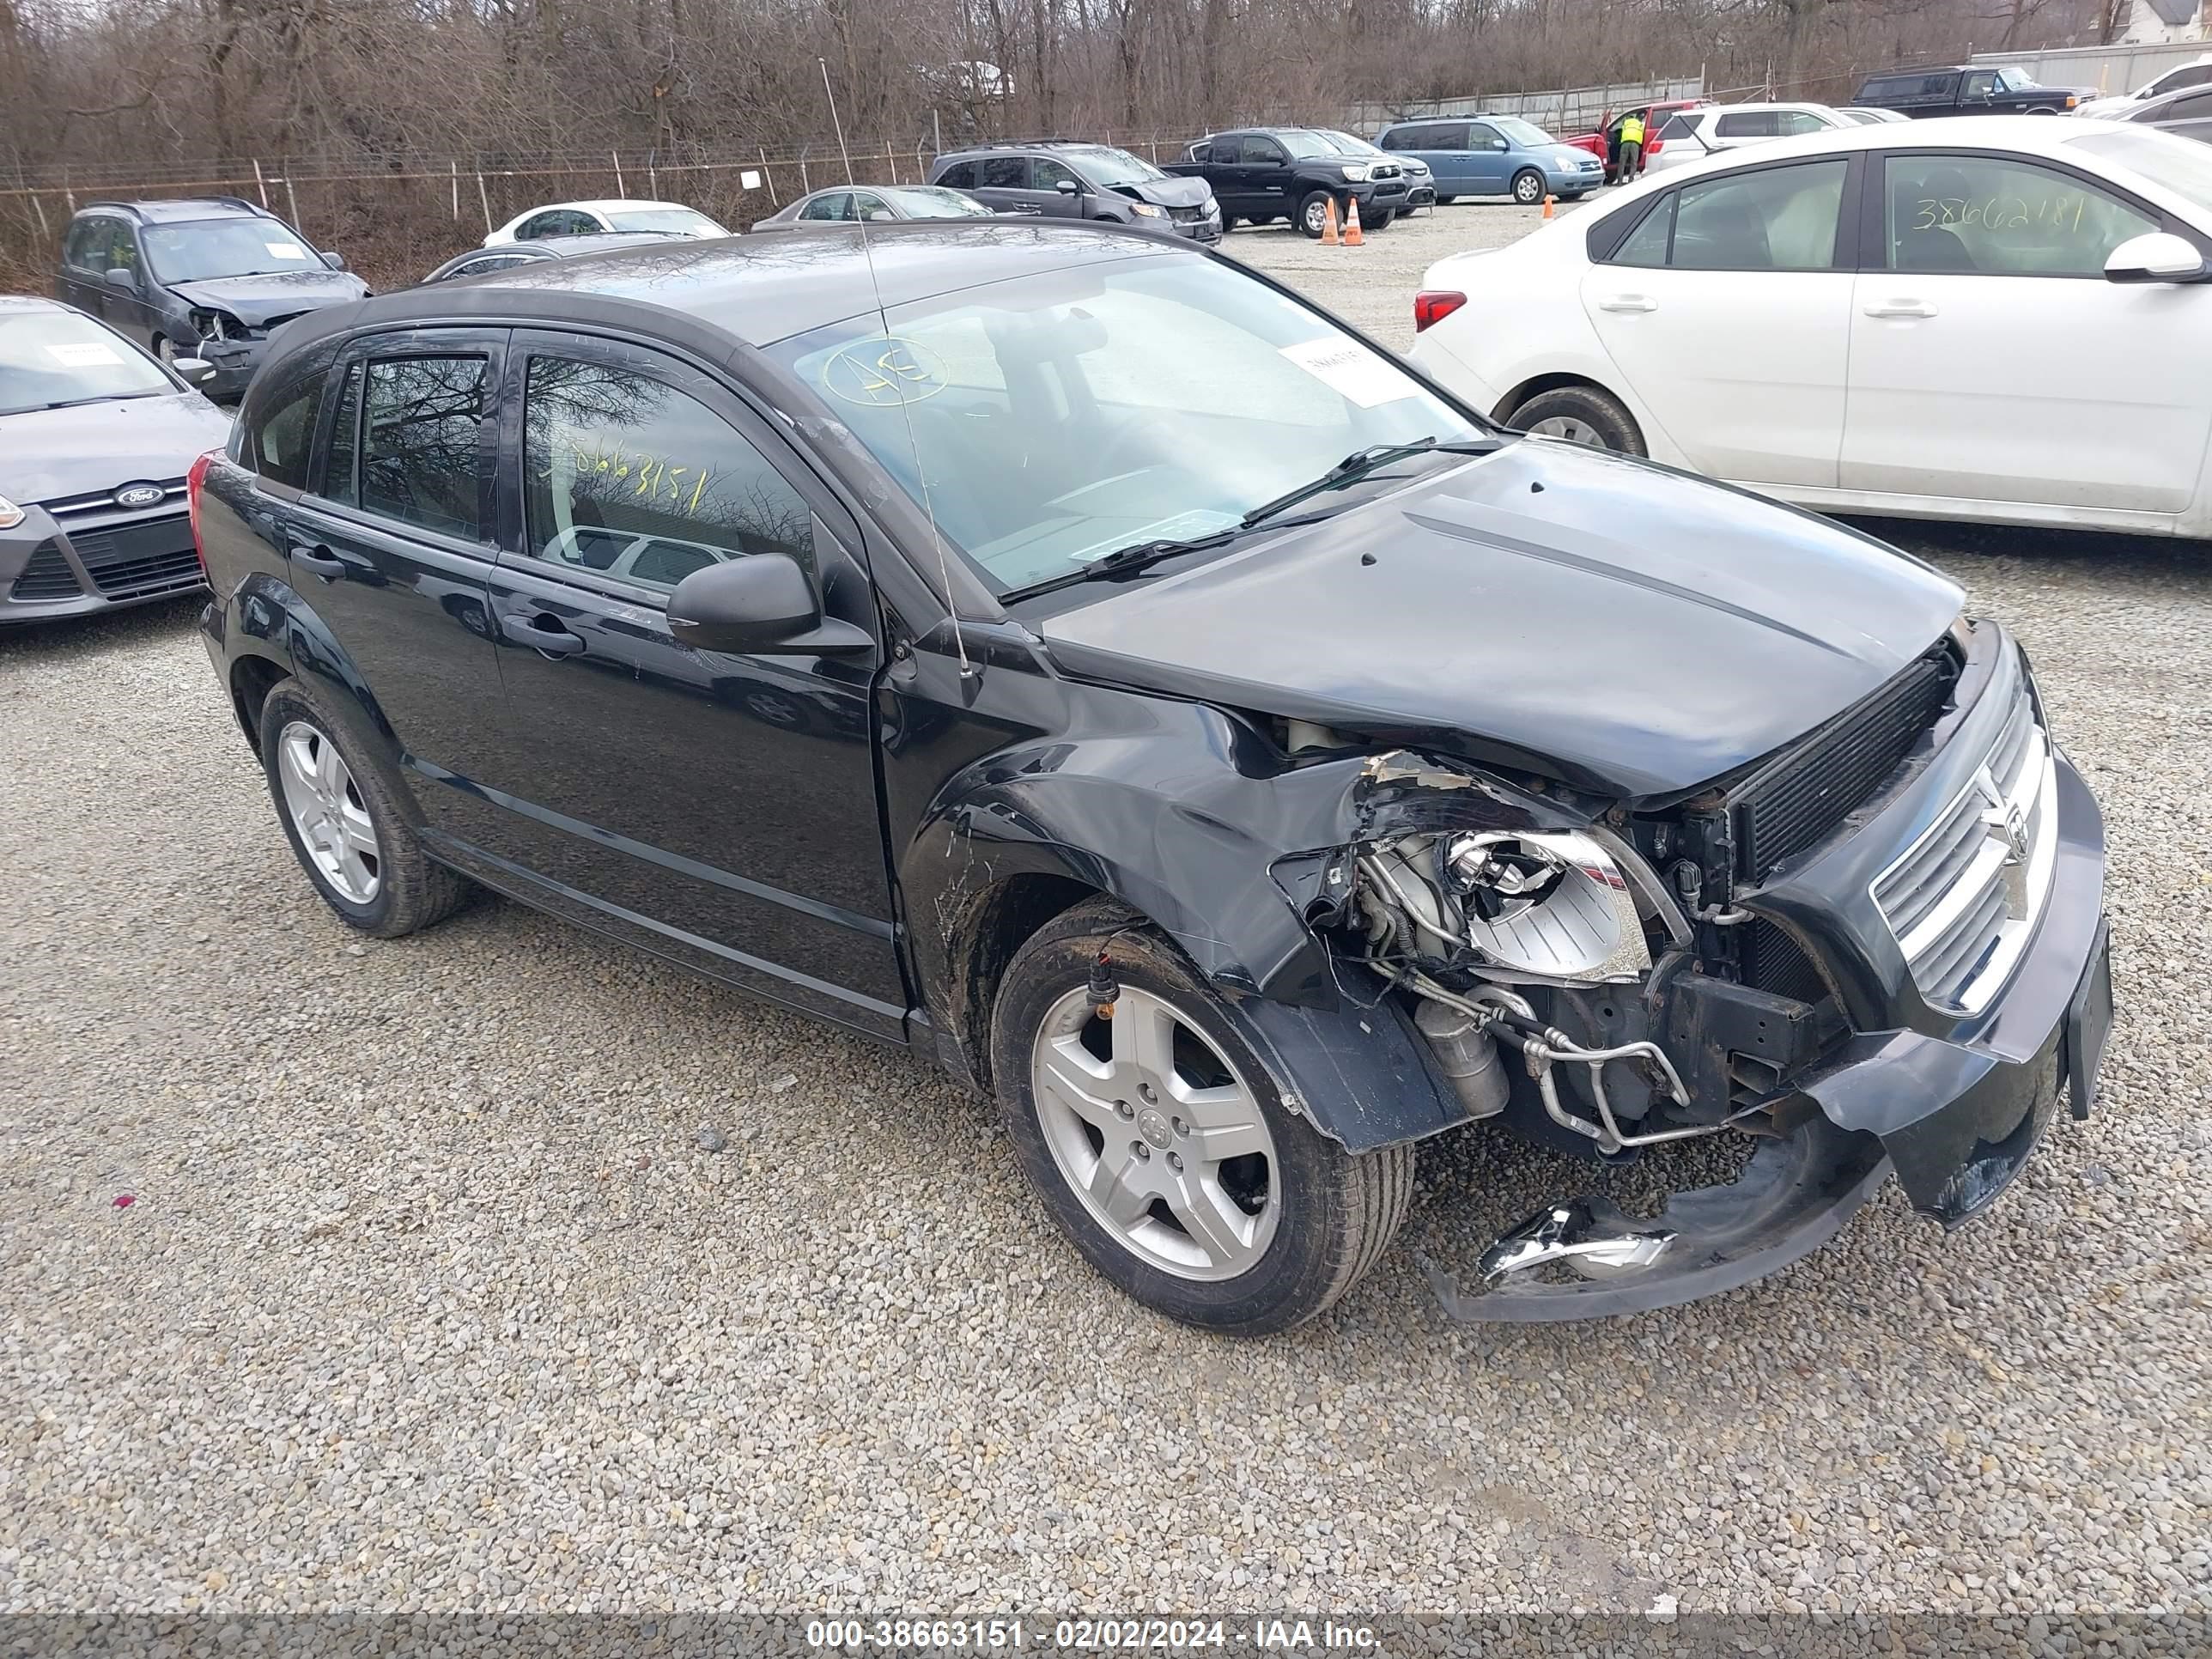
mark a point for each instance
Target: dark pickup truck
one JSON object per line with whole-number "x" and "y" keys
{"x": 1967, "y": 90}
{"x": 1261, "y": 174}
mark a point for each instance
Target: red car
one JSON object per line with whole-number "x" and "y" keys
{"x": 1605, "y": 141}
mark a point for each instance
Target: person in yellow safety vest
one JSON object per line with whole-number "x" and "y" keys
{"x": 1631, "y": 147}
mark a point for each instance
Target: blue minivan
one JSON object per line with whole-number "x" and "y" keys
{"x": 1495, "y": 155}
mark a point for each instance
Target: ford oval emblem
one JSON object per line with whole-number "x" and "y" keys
{"x": 138, "y": 494}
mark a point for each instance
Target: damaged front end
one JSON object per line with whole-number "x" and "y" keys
{"x": 1881, "y": 948}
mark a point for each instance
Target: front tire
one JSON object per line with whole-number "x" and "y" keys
{"x": 1529, "y": 187}
{"x": 1313, "y": 214}
{"x": 1581, "y": 415}
{"x": 1228, "y": 223}
{"x": 1160, "y": 1143}
{"x": 348, "y": 819}
{"x": 1446, "y": 201}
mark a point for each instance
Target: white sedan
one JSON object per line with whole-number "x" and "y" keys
{"x": 596, "y": 218}
{"x": 2004, "y": 318}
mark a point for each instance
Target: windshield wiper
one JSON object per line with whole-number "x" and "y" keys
{"x": 105, "y": 397}
{"x": 1359, "y": 464}
{"x": 1125, "y": 562}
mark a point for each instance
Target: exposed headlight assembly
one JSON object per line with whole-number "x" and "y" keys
{"x": 1146, "y": 211}
{"x": 1553, "y": 906}
{"x": 1355, "y": 172}
{"x": 10, "y": 514}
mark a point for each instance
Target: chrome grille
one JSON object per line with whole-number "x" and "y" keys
{"x": 1965, "y": 896}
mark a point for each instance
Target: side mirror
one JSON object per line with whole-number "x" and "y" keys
{"x": 1069, "y": 187}
{"x": 758, "y": 603}
{"x": 197, "y": 371}
{"x": 2159, "y": 257}
{"x": 122, "y": 278}
{"x": 334, "y": 259}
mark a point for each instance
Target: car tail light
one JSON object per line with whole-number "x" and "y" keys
{"x": 1433, "y": 306}
{"x": 193, "y": 481}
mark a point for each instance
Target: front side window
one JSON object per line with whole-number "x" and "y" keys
{"x": 1047, "y": 419}
{"x": 1049, "y": 174}
{"x": 2000, "y": 217}
{"x": 421, "y": 443}
{"x": 1265, "y": 151}
{"x": 831, "y": 205}
{"x": 1484, "y": 139}
{"x": 867, "y": 204}
{"x": 49, "y": 358}
{"x": 287, "y": 434}
{"x": 627, "y": 476}
{"x": 1775, "y": 219}
{"x": 86, "y": 247}
{"x": 199, "y": 249}
{"x": 1978, "y": 86}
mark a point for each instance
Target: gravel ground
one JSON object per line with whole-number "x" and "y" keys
{"x": 431, "y": 1295}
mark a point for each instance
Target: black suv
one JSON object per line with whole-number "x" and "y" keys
{"x": 1058, "y": 179}
{"x": 1967, "y": 90}
{"x": 1065, "y": 654}
{"x": 206, "y": 278}
{"x": 1266, "y": 174}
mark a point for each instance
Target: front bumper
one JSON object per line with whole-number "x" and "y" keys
{"x": 48, "y": 571}
{"x": 1575, "y": 180}
{"x": 1953, "y": 1104}
{"x": 234, "y": 362}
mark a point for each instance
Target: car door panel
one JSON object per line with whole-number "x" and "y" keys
{"x": 1736, "y": 331}
{"x": 718, "y": 807}
{"x": 2025, "y": 377}
{"x": 1485, "y": 161}
{"x": 406, "y": 603}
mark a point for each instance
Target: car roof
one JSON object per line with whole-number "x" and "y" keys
{"x": 610, "y": 204}
{"x": 1737, "y": 109}
{"x": 173, "y": 210}
{"x": 766, "y": 288}
{"x": 31, "y": 302}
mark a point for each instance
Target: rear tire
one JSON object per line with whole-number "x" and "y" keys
{"x": 1283, "y": 1221}
{"x": 1581, "y": 413}
{"x": 351, "y": 823}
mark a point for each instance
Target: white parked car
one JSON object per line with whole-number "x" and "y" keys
{"x": 2197, "y": 72}
{"x": 1866, "y": 116}
{"x": 1692, "y": 134}
{"x": 593, "y": 218}
{"x": 2005, "y": 317}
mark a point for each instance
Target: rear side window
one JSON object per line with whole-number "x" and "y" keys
{"x": 1004, "y": 173}
{"x": 1678, "y": 126}
{"x": 1775, "y": 219}
{"x": 961, "y": 175}
{"x": 1754, "y": 124}
{"x": 285, "y": 437}
{"x": 420, "y": 449}
{"x": 628, "y": 477}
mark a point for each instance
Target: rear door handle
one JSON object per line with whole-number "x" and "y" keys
{"x": 1900, "y": 308}
{"x": 1627, "y": 302}
{"x": 318, "y": 559}
{"x": 542, "y": 631}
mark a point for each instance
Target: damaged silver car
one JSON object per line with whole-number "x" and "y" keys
{"x": 1193, "y": 728}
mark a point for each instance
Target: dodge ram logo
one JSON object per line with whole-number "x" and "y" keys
{"x": 138, "y": 494}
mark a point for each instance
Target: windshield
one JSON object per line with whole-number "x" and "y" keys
{"x": 1060, "y": 416}
{"x": 61, "y": 357}
{"x": 201, "y": 248}
{"x": 682, "y": 221}
{"x": 2017, "y": 80}
{"x": 1304, "y": 145}
{"x": 1346, "y": 143}
{"x": 930, "y": 202}
{"x": 2183, "y": 166}
{"x": 1108, "y": 167}
{"x": 1521, "y": 132}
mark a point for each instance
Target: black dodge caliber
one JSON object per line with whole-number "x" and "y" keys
{"x": 1061, "y": 652}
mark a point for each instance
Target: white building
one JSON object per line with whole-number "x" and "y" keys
{"x": 2153, "y": 22}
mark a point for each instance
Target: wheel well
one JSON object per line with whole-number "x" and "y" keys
{"x": 1542, "y": 382}
{"x": 1000, "y": 923}
{"x": 251, "y": 680}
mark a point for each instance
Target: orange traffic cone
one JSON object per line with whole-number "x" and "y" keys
{"x": 1329, "y": 236}
{"x": 1351, "y": 236}
{"x": 1548, "y": 200}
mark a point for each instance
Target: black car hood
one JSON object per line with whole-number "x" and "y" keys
{"x": 254, "y": 299}
{"x": 1170, "y": 192}
{"x": 47, "y": 454}
{"x": 1631, "y": 630}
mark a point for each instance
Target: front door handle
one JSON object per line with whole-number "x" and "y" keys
{"x": 1632, "y": 302}
{"x": 318, "y": 559}
{"x": 542, "y": 631}
{"x": 1900, "y": 308}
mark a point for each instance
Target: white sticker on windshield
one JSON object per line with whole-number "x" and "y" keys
{"x": 285, "y": 250}
{"x": 1349, "y": 368}
{"x": 85, "y": 353}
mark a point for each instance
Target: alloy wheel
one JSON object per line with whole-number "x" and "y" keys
{"x": 328, "y": 812}
{"x": 1574, "y": 431}
{"x": 1159, "y": 1137}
